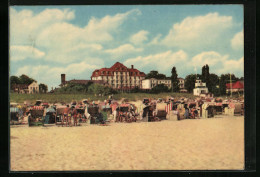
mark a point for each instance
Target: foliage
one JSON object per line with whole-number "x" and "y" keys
{"x": 43, "y": 88}
{"x": 224, "y": 79}
{"x": 205, "y": 74}
{"x": 73, "y": 88}
{"x": 100, "y": 89}
{"x": 159, "y": 88}
{"x": 155, "y": 74}
{"x": 175, "y": 81}
{"x": 213, "y": 81}
{"x": 14, "y": 80}
{"x": 190, "y": 82}
{"x": 136, "y": 90}
{"x": 24, "y": 79}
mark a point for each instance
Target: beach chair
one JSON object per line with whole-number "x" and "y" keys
{"x": 36, "y": 117}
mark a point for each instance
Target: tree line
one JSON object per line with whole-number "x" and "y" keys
{"x": 216, "y": 84}
{"x": 24, "y": 79}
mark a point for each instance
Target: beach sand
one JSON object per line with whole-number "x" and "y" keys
{"x": 215, "y": 144}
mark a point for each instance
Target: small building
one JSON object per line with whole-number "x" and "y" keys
{"x": 148, "y": 84}
{"x": 33, "y": 87}
{"x": 200, "y": 88}
{"x": 26, "y": 88}
{"x": 235, "y": 87}
{"x": 20, "y": 88}
{"x": 181, "y": 83}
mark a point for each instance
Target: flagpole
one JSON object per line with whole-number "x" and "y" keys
{"x": 231, "y": 84}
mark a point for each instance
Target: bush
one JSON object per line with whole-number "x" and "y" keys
{"x": 159, "y": 88}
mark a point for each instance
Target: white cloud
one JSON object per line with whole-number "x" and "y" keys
{"x": 51, "y": 75}
{"x": 25, "y": 25}
{"x": 155, "y": 40}
{"x": 161, "y": 61}
{"x": 218, "y": 64}
{"x": 198, "y": 31}
{"x": 62, "y": 41}
{"x": 20, "y": 52}
{"x": 123, "y": 50}
{"x": 237, "y": 41}
{"x": 233, "y": 66}
{"x": 139, "y": 37}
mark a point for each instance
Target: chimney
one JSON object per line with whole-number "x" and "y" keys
{"x": 63, "y": 79}
{"x": 132, "y": 66}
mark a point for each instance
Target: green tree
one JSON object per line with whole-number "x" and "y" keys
{"x": 212, "y": 84}
{"x": 190, "y": 82}
{"x": 14, "y": 80}
{"x": 159, "y": 88}
{"x": 43, "y": 88}
{"x": 175, "y": 81}
{"x": 205, "y": 74}
{"x": 155, "y": 74}
{"x": 24, "y": 79}
{"x": 224, "y": 79}
{"x": 100, "y": 89}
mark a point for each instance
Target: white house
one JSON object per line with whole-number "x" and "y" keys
{"x": 148, "y": 84}
{"x": 200, "y": 88}
{"x": 33, "y": 87}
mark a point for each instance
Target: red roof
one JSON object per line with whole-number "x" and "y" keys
{"x": 119, "y": 67}
{"x": 236, "y": 85}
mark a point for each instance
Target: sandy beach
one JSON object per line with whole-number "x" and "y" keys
{"x": 216, "y": 143}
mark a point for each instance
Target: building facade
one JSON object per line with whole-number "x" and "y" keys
{"x": 200, "y": 88}
{"x": 148, "y": 84}
{"x": 235, "y": 87}
{"x": 119, "y": 76}
{"x": 26, "y": 88}
{"x": 181, "y": 83}
{"x": 33, "y": 87}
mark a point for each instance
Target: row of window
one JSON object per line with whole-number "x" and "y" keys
{"x": 118, "y": 73}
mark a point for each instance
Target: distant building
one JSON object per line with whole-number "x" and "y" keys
{"x": 182, "y": 85}
{"x": 76, "y": 81}
{"x": 200, "y": 88}
{"x": 26, "y": 88}
{"x": 148, "y": 84}
{"x": 181, "y": 82}
{"x": 235, "y": 87}
{"x": 119, "y": 76}
{"x": 20, "y": 88}
{"x": 33, "y": 87}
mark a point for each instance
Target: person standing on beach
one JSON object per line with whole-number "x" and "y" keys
{"x": 66, "y": 113}
{"x": 75, "y": 114}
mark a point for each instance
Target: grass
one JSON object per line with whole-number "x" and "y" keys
{"x": 69, "y": 97}
{"x": 56, "y": 97}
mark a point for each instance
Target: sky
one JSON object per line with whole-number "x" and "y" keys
{"x": 46, "y": 41}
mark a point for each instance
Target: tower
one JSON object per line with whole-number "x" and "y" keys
{"x": 63, "y": 79}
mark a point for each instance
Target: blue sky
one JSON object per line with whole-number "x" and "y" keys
{"x": 46, "y": 41}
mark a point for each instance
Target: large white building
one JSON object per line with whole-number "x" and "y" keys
{"x": 119, "y": 76}
{"x": 200, "y": 88}
{"x": 148, "y": 84}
